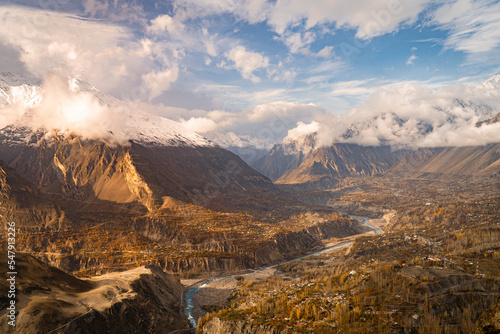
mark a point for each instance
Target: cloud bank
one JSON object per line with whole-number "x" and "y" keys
{"x": 65, "y": 106}
{"x": 408, "y": 115}
{"x": 267, "y": 122}
{"x": 109, "y": 55}
{"x": 61, "y": 105}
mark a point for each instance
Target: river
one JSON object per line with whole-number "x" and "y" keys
{"x": 191, "y": 293}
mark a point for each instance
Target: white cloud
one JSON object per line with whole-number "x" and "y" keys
{"x": 411, "y": 59}
{"x": 326, "y": 52}
{"x": 108, "y": 56}
{"x": 247, "y": 62}
{"x": 253, "y": 11}
{"x": 294, "y": 20}
{"x": 61, "y": 104}
{"x": 370, "y": 18}
{"x": 158, "y": 82}
{"x": 212, "y": 121}
{"x": 287, "y": 111}
{"x": 299, "y": 42}
{"x": 329, "y": 67}
{"x": 114, "y": 10}
{"x": 269, "y": 122}
{"x": 301, "y": 131}
{"x": 95, "y": 7}
{"x": 281, "y": 73}
{"x": 270, "y": 94}
{"x": 353, "y": 87}
{"x": 164, "y": 23}
{"x": 473, "y": 25}
{"x": 174, "y": 33}
{"x": 416, "y": 116}
{"x": 200, "y": 124}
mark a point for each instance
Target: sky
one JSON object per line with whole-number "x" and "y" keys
{"x": 256, "y": 66}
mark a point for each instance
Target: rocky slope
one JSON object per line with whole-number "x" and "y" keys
{"x": 468, "y": 161}
{"x": 325, "y": 166}
{"x": 127, "y": 159}
{"x": 23, "y": 203}
{"x": 279, "y": 248}
{"x": 91, "y": 170}
{"x": 141, "y": 300}
{"x": 213, "y": 254}
{"x": 489, "y": 321}
{"x": 492, "y": 120}
{"x": 285, "y": 156}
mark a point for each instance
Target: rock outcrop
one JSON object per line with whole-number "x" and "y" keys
{"x": 141, "y": 300}
{"x": 326, "y": 166}
{"x": 467, "y": 161}
{"x": 26, "y": 205}
{"x": 489, "y": 321}
{"x": 88, "y": 171}
{"x": 231, "y": 258}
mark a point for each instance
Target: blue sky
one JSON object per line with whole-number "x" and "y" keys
{"x": 213, "y": 62}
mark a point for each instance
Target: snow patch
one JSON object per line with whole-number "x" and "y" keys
{"x": 231, "y": 139}
{"x": 71, "y": 106}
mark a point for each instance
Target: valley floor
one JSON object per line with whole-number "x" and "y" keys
{"x": 217, "y": 293}
{"x": 436, "y": 269}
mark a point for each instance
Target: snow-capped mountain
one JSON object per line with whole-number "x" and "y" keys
{"x": 71, "y": 139}
{"x": 444, "y": 120}
{"x": 23, "y": 95}
{"x": 15, "y": 79}
{"x": 493, "y": 82}
{"x": 286, "y": 156}
{"x": 231, "y": 139}
{"x": 70, "y": 106}
{"x": 246, "y": 147}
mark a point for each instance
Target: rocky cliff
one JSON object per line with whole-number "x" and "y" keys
{"x": 489, "y": 321}
{"x": 281, "y": 158}
{"x": 23, "y": 203}
{"x": 467, "y": 161}
{"x": 94, "y": 173}
{"x": 219, "y": 256}
{"x": 141, "y": 300}
{"x": 325, "y": 166}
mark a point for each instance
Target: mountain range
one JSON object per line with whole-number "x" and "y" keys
{"x": 133, "y": 165}
{"x": 303, "y": 164}
{"x": 246, "y": 147}
{"x": 136, "y": 160}
{"x": 97, "y": 187}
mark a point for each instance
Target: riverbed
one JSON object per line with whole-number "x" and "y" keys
{"x": 225, "y": 284}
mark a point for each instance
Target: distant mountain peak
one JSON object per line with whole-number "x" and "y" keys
{"x": 493, "y": 82}
{"x": 15, "y": 79}
{"x": 231, "y": 139}
{"x": 71, "y": 106}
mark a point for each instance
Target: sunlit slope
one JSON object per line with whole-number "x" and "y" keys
{"x": 481, "y": 161}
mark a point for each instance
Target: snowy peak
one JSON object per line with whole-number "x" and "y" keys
{"x": 493, "y": 82}
{"x": 151, "y": 129}
{"x": 13, "y": 79}
{"x": 231, "y": 139}
{"x": 71, "y": 106}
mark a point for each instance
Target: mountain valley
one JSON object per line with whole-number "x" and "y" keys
{"x": 123, "y": 214}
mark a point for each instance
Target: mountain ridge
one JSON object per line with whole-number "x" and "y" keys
{"x": 88, "y": 112}
{"x": 326, "y": 166}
